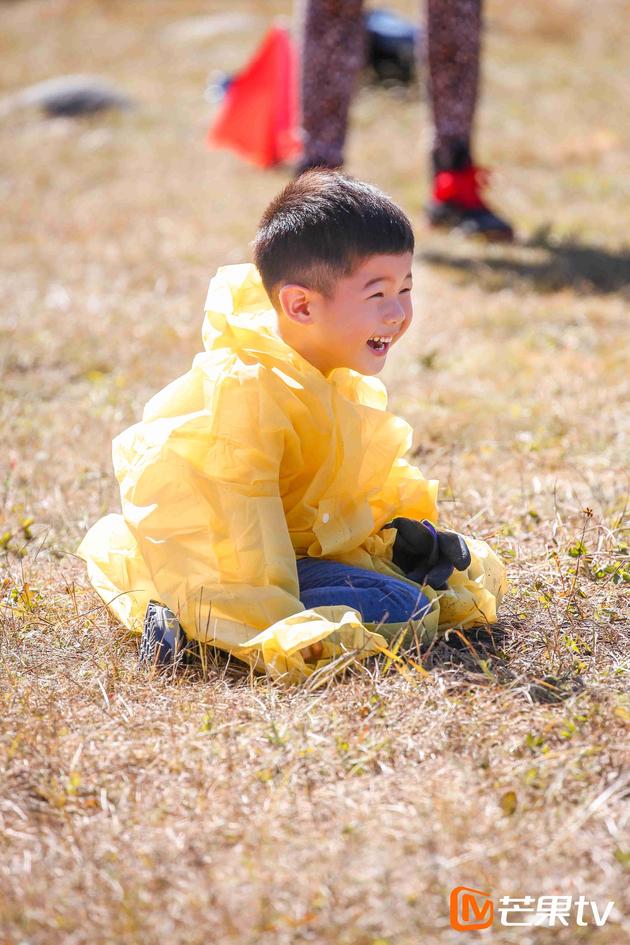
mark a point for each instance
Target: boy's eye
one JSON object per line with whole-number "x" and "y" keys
{"x": 381, "y": 295}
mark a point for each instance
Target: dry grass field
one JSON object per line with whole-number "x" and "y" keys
{"x": 137, "y": 808}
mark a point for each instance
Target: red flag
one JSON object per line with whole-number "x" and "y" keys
{"x": 259, "y": 116}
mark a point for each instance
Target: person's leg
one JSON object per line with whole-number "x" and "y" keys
{"x": 377, "y": 597}
{"x": 453, "y": 39}
{"x": 331, "y": 56}
{"x": 453, "y": 48}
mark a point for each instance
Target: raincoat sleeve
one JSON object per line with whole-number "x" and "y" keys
{"x": 209, "y": 521}
{"x": 404, "y": 491}
{"x": 408, "y": 493}
{"x": 472, "y": 596}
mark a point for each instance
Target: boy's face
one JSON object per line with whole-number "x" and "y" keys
{"x": 375, "y": 300}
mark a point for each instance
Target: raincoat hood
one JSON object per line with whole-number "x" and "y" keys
{"x": 249, "y": 461}
{"x": 240, "y": 316}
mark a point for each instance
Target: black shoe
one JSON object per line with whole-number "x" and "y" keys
{"x": 164, "y": 641}
{"x": 477, "y": 221}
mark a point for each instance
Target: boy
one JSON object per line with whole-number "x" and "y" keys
{"x": 266, "y": 506}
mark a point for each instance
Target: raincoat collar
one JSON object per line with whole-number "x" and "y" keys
{"x": 239, "y": 315}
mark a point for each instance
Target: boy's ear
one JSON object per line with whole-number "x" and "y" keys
{"x": 295, "y": 301}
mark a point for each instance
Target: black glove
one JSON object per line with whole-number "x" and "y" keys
{"x": 426, "y": 555}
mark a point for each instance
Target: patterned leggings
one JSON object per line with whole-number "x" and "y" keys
{"x": 332, "y": 54}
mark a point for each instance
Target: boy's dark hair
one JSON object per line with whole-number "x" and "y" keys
{"x": 322, "y": 226}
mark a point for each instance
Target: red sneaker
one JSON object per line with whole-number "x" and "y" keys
{"x": 458, "y": 205}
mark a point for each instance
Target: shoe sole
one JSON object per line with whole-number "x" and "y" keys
{"x": 164, "y": 642}
{"x": 487, "y": 236}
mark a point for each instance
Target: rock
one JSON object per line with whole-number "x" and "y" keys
{"x": 68, "y": 95}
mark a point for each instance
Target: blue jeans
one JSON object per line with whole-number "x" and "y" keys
{"x": 378, "y": 597}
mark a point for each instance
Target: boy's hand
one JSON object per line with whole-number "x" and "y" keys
{"x": 426, "y": 554}
{"x": 310, "y": 654}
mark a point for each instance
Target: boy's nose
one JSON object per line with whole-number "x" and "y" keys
{"x": 396, "y": 316}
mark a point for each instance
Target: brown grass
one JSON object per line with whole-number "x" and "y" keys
{"x": 137, "y": 808}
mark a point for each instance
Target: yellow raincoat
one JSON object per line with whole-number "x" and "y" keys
{"x": 250, "y": 460}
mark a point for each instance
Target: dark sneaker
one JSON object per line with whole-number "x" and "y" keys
{"x": 163, "y": 641}
{"x": 457, "y": 205}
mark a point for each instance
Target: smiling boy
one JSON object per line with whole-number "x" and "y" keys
{"x": 374, "y": 299}
{"x": 267, "y": 508}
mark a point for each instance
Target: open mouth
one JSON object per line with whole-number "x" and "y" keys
{"x": 380, "y": 343}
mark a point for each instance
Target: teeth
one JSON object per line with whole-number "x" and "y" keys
{"x": 381, "y": 338}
